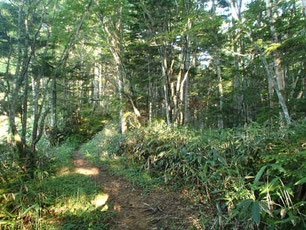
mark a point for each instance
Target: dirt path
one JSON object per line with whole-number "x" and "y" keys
{"x": 135, "y": 210}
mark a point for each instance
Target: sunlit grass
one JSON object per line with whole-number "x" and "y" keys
{"x": 214, "y": 166}
{"x": 3, "y": 128}
{"x": 102, "y": 150}
{"x": 60, "y": 197}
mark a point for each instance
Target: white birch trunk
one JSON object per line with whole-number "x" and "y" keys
{"x": 220, "y": 88}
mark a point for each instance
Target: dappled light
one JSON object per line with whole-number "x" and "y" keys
{"x": 3, "y": 127}
{"x": 64, "y": 170}
{"x": 87, "y": 171}
{"x": 117, "y": 207}
{"x": 152, "y": 115}
{"x": 100, "y": 200}
{"x": 133, "y": 208}
{"x": 82, "y": 167}
{"x": 109, "y": 132}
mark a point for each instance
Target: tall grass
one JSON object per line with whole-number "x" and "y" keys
{"x": 254, "y": 174}
{"x": 51, "y": 199}
{"x": 105, "y": 148}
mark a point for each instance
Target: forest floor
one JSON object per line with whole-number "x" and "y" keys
{"x": 135, "y": 208}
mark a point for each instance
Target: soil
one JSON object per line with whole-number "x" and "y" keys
{"x": 135, "y": 209}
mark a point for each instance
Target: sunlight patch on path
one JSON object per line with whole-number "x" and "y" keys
{"x": 100, "y": 200}
{"x": 83, "y": 168}
{"x": 87, "y": 171}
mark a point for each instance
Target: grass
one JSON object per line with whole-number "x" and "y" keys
{"x": 56, "y": 198}
{"x": 241, "y": 170}
{"x": 71, "y": 203}
{"x": 102, "y": 150}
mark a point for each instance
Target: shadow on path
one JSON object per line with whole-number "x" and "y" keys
{"x": 134, "y": 209}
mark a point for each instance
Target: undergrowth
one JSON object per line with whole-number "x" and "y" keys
{"x": 54, "y": 198}
{"x": 103, "y": 149}
{"x": 255, "y": 175}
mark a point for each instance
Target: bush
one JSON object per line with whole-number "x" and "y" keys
{"x": 256, "y": 173}
{"x": 38, "y": 202}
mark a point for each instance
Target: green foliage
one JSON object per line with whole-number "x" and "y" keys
{"x": 80, "y": 125}
{"x": 104, "y": 143}
{"x": 90, "y": 122}
{"x": 257, "y": 172}
{"x": 50, "y": 199}
{"x": 104, "y": 149}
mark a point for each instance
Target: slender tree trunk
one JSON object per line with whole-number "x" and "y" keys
{"x": 121, "y": 114}
{"x": 150, "y": 94}
{"x": 186, "y": 101}
{"x": 177, "y": 99}
{"x": 150, "y": 102}
{"x": 39, "y": 115}
{"x": 166, "y": 90}
{"x": 219, "y": 76}
{"x": 25, "y": 111}
{"x": 280, "y": 76}
{"x": 61, "y": 65}
{"x": 115, "y": 38}
{"x": 36, "y": 88}
{"x": 25, "y": 96}
{"x": 53, "y": 105}
{"x": 15, "y": 138}
{"x": 279, "y": 73}
{"x": 270, "y": 76}
{"x": 36, "y": 84}
{"x": 102, "y": 86}
{"x": 187, "y": 66}
{"x": 220, "y": 88}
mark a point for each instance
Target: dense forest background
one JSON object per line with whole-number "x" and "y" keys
{"x": 205, "y": 93}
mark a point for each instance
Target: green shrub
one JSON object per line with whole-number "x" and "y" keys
{"x": 47, "y": 199}
{"x": 256, "y": 174}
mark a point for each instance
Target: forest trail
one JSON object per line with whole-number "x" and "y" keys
{"x": 134, "y": 209}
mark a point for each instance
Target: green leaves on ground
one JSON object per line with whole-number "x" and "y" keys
{"x": 255, "y": 172}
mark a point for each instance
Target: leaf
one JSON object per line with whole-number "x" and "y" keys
{"x": 301, "y": 181}
{"x": 235, "y": 213}
{"x": 259, "y": 174}
{"x": 7, "y": 213}
{"x": 34, "y": 206}
{"x": 245, "y": 205}
{"x": 298, "y": 204}
{"x": 303, "y": 152}
{"x": 256, "y": 213}
{"x": 273, "y": 47}
{"x": 280, "y": 168}
{"x": 270, "y": 186}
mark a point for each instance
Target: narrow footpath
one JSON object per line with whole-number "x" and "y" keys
{"x": 134, "y": 209}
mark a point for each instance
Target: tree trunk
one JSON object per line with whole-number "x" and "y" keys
{"x": 25, "y": 111}
{"x": 15, "y": 138}
{"x": 220, "y": 88}
{"x": 270, "y": 76}
{"x": 187, "y": 66}
{"x": 53, "y": 104}
{"x": 280, "y": 76}
{"x": 25, "y": 96}
{"x": 166, "y": 90}
{"x": 150, "y": 94}
{"x": 36, "y": 88}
